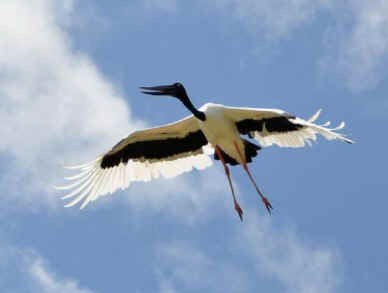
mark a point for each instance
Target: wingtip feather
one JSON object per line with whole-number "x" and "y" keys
{"x": 315, "y": 116}
{"x": 349, "y": 141}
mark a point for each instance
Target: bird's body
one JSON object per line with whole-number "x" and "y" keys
{"x": 220, "y": 130}
{"x": 172, "y": 149}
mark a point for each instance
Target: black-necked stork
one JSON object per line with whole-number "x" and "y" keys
{"x": 172, "y": 149}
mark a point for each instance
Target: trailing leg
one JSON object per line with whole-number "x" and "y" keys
{"x": 227, "y": 172}
{"x": 245, "y": 166}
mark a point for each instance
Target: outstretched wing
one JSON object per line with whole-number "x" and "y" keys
{"x": 273, "y": 126}
{"x": 166, "y": 151}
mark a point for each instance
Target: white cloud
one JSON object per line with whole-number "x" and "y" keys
{"x": 53, "y": 100}
{"x": 283, "y": 256}
{"x": 358, "y": 45}
{"x": 47, "y": 282}
{"x": 32, "y": 273}
{"x": 185, "y": 268}
{"x": 263, "y": 252}
{"x": 57, "y": 108}
{"x": 192, "y": 198}
{"x": 272, "y": 19}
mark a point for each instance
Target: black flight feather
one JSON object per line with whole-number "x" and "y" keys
{"x": 157, "y": 149}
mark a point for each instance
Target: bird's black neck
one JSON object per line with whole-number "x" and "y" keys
{"x": 198, "y": 114}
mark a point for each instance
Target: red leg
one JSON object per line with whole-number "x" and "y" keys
{"x": 227, "y": 172}
{"x": 245, "y": 166}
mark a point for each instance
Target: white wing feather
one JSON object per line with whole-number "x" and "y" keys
{"x": 93, "y": 181}
{"x": 295, "y": 138}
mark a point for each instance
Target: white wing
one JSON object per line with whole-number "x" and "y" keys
{"x": 166, "y": 151}
{"x": 273, "y": 126}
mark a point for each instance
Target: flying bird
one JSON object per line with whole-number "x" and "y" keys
{"x": 172, "y": 149}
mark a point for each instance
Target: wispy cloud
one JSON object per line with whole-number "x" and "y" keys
{"x": 33, "y": 273}
{"x": 192, "y": 198}
{"x": 358, "y": 44}
{"x": 282, "y": 255}
{"x": 271, "y": 20}
{"x": 185, "y": 268}
{"x": 264, "y": 251}
{"x": 46, "y": 280}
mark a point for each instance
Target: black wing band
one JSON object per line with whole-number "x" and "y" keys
{"x": 275, "y": 124}
{"x": 250, "y": 152}
{"x": 155, "y": 149}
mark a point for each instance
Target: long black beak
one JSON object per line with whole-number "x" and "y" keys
{"x": 161, "y": 90}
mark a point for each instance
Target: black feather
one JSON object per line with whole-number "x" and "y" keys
{"x": 250, "y": 152}
{"x": 155, "y": 149}
{"x": 275, "y": 124}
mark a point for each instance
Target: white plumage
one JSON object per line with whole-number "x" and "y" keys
{"x": 179, "y": 147}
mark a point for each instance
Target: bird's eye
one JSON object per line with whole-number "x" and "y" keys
{"x": 178, "y": 84}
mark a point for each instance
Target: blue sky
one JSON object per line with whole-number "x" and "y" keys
{"x": 69, "y": 78}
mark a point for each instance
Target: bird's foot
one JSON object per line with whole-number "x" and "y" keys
{"x": 267, "y": 204}
{"x": 238, "y": 210}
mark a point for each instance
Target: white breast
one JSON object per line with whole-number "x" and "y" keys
{"x": 220, "y": 130}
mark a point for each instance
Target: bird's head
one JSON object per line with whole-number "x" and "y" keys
{"x": 176, "y": 90}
